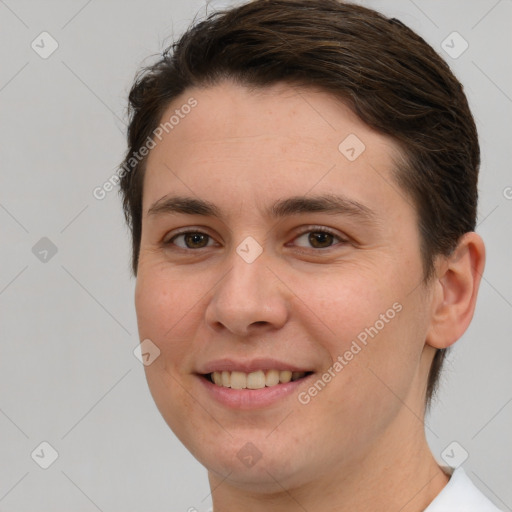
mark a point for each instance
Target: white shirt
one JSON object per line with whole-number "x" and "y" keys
{"x": 460, "y": 495}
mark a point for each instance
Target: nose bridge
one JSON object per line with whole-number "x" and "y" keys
{"x": 248, "y": 261}
{"x": 245, "y": 279}
{"x": 248, "y": 293}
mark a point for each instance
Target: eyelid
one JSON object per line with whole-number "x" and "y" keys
{"x": 182, "y": 231}
{"x": 322, "y": 229}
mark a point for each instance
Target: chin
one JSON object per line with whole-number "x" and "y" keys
{"x": 253, "y": 462}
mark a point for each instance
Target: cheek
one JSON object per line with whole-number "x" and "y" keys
{"x": 165, "y": 305}
{"x": 347, "y": 302}
{"x": 165, "y": 315}
{"x": 372, "y": 327}
{"x": 168, "y": 314}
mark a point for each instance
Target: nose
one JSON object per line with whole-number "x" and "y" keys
{"x": 249, "y": 299}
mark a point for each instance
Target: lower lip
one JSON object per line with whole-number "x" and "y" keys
{"x": 251, "y": 398}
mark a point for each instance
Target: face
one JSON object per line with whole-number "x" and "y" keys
{"x": 274, "y": 244}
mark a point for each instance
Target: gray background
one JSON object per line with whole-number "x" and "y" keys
{"x": 68, "y": 375}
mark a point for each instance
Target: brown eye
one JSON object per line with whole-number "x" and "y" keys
{"x": 320, "y": 239}
{"x": 317, "y": 239}
{"x": 191, "y": 240}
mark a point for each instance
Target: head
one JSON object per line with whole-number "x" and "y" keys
{"x": 256, "y": 122}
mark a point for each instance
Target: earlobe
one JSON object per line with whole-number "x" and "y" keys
{"x": 455, "y": 291}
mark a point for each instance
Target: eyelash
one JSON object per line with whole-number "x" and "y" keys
{"x": 309, "y": 229}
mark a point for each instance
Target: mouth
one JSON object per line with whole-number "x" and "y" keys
{"x": 258, "y": 379}
{"x": 252, "y": 384}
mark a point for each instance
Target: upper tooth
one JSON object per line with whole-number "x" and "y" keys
{"x": 226, "y": 378}
{"x": 285, "y": 376}
{"x": 238, "y": 380}
{"x": 254, "y": 380}
{"x": 272, "y": 378}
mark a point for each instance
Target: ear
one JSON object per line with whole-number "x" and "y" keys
{"x": 455, "y": 290}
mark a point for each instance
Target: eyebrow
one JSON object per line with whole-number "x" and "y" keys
{"x": 328, "y": 203}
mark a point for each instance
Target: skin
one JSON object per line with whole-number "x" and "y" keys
{"x": 359, "y": 444}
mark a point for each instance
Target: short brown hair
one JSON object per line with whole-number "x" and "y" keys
{"x": 387, "y": 74}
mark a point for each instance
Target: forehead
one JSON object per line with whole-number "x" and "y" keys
{"x": 269, "y": 142}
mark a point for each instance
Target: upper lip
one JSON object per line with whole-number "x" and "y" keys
{"x": 248, "y": 366}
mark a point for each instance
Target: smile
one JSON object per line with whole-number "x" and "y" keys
{"x": 254, "y": 380}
